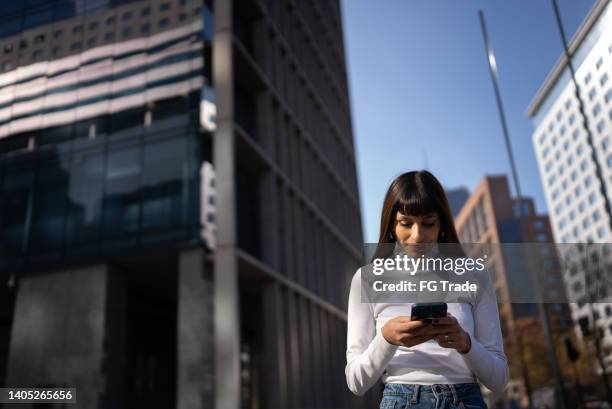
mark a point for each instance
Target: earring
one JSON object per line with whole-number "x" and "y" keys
{"x": 391, "y": 236}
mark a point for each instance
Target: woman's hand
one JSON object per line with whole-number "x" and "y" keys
{"x": 449, "y": 334}
{"x": 405, "y": 332}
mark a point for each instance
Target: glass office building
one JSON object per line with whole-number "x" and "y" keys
{"x": 568, "y": 162}
{"x": 99, "y": 128}
{"x": 179, "y": 211}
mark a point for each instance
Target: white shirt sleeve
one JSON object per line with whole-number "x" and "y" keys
{"x": 486, "y": 358}
{"x": 367, "y": 352}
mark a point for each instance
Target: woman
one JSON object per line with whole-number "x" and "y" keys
{"x": 423, "y": 364}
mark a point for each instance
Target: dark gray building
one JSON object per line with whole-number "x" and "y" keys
{"x": 132, "y": 268}
{"x": 457, "y": 198}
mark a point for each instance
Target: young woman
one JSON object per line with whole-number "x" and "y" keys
{"x": 423, "y": 364}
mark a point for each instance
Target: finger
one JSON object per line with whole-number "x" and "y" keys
{"x": 446, "y": 340}
{"x": 414, "y": 325}
{"x": 416, "y": 332}
{"x": 445, "y": 321}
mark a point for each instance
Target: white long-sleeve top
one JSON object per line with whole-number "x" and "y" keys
{"x": 369, "y": 355}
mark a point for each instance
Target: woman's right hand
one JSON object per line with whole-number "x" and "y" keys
{"x": 406, "y": 332}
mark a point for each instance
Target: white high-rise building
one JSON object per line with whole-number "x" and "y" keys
{"x": 567, "y": 167}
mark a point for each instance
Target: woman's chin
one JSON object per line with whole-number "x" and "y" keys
{"x": 416, "y": 250}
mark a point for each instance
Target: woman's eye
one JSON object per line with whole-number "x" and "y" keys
{"x": 406, "y": 224}
{"x": 428, "y": 224}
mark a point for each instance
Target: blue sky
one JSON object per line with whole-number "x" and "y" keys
{"x": 421, "y": 95}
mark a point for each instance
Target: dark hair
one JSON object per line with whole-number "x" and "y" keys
{"x": 416, "y": 193}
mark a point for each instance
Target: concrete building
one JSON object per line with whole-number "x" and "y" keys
{"x": 491, "y": 216}
{"x": 179, "y": 210}
{"x": 568, "y": 165}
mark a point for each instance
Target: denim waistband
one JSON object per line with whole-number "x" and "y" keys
{"x": 453, "y": 391}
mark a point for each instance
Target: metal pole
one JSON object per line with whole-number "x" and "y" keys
{"x": 541, "y": 309}
{"x": 598, "y": 172}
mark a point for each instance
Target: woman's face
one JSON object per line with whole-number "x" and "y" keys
{"x": 418, "y": 232}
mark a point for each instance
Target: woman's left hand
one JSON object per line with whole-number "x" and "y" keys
{"x": 451, "y": 335}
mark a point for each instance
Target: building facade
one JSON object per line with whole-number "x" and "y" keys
{"x": 179, "y": 206}
{"x": 568, "y": 162}
{"x": 491, "y": 216}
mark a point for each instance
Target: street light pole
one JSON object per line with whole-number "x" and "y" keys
{"x": 560, "y": 392}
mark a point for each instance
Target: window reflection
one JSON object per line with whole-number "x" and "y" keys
{"x": 100, "y": 144}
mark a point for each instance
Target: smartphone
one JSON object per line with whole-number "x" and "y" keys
{"x": 425, "y": 311}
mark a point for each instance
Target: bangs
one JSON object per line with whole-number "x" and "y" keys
{"x": 418, "y": 203}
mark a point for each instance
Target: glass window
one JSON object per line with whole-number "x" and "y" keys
{"x": 127, "y": 16}
{"x": 599, "y": 63}
{"x": 163, "y": 186}
{"x": 122, "y": 197}
{"x": 145, "y": 11}
{"x": 85, "y": 199}
{"x": 77, "y": 29}
{"x": 542, "y": 139}
{"x": 601, "y": 232}
{"x": 596, "y": 216}
{"x": 577, "y": 191}
{"x": 16, "y": 195}
{"x": 164, "y": 22}
{"x": 49, "y": 204}
{"x": 603, "y": 80}
{"x": 38, "y": 18}
{"x": 592, "y": 93}
{"x": 587, "y": 78}
{"x": 585, "y": 223}
{"x": 601, "y": 125}
{"x": 596, "y": 110}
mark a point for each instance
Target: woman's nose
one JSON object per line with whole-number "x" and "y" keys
{"x": 416, "y": 232}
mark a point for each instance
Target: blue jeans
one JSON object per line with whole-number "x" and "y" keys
{"x": 437, "y": 396}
